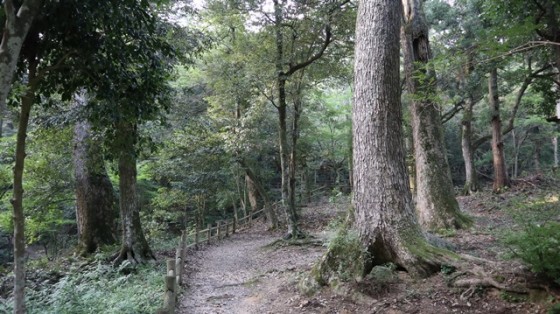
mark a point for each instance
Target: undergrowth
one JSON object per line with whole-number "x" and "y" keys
{"x": 535, "y": 239}
{"x": 98, "y": 288}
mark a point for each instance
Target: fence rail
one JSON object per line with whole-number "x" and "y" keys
{"x": 174, "y": 274}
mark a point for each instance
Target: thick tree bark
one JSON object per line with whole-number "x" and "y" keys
{"x": 95, "y": 198}
{"x": 134, "y": 246}
{"x": 18, "y": 23}
{"x": 501, "y": 179}
{"x": 17, "y": 201}
{"x": 384, "y": 213}
{"x": 471, "y": 179}
{"x": 436, "y": 205}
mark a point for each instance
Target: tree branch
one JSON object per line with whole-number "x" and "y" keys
{"x": 451, "y": 112}
{"x": 319, "y": 54}
{"x": 9, "y": 11}
{"x": 528, "y": 80}
{"x": 53, "y": 67}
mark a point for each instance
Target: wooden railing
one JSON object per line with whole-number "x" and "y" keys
{"x": 174, "y": 275}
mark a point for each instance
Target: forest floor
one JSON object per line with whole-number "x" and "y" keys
{"x": 253, "y": 272}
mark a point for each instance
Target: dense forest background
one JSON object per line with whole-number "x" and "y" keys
{"x": 126, "y": 122}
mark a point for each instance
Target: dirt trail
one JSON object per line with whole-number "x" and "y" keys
{"x": 243, "y": 274}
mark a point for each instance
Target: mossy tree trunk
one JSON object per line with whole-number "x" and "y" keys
{"x": 436, "y": 205}
{"x": 95, "y": 198}
{"x": 384, "y": 213}
{"x": 134, "y": 247}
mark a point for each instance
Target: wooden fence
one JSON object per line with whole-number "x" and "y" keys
{"x": 174, "y": 275}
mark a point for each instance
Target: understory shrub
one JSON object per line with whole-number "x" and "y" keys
{"x": 538, "y": 245}
{"x": 99, "y": 288}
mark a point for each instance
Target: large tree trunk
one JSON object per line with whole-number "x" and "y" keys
{"x": 436, "y": 205}
{"x": 134, "y": 246}
{"x": 95, "y": 198}
{"x": 18, "y": 22}
{"x": 17, "y": 201}
{"x": 501, "y": 179}
{"x": 384, "y": 213}
{"x": 471, "y": 179}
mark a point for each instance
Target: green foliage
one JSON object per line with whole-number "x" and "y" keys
{"x": 99, "y": 288}
{"x": 49, "y": 185}
{"x": 537, "y": 243}
{"x": 555, "y": 309}
{"x": 513, "y": 297}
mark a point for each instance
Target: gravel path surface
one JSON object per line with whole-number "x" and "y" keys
{"x": 242, "y": 275}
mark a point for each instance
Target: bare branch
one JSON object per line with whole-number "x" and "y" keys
{"x": 453, "y": 111}
{"x": 319, "y": 54}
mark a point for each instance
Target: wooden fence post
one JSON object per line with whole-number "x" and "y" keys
{"x": 209, "y": 232}
{"x": 234, "y": 224}
{"x": 179, "y": 265}
{"x": 170, "y": 288}
{"x": 227, "y": 229}
{"x": 219, "y": 231}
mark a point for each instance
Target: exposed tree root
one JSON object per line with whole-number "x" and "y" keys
{"x": 309, "y": 240}
{"x": 476, "y": 276}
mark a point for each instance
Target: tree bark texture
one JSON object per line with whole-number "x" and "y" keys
{"x": 134, "y": 246}
{"x": 17, "y": 201}
{"x": 252, "y": 193}
{"x": 436, "y": 205}
{"x": 471, "y": 179}
{"x": 259, "y": 188}
{"x": 95, "y": 198}
{"x": 18, "y": 23}
{"x": 292, "y": 168}
{"x": 501, "y": 179}
{"x": 384, "y": 213}
{"x": 555, "y": 151}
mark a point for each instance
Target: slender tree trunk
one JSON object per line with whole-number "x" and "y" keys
{"x": 292, "y": 168}
{"x": 537, "y": 151}
{"x": 18, "y": 23}
{"x": 515, "y": 154}
{"x": 282, "y": 116}
{"x": 95, "y": 198}
{"x": 471, "y": 179}
{"x": 252, "y": 193}
{"x": 269, "y": 211}
{"x": 384, "y": 213}
{"x": 501, "y": 179}
{"x": 555, "y": 151}
{"x": 436, "y": 205}
{"x": 17, "y": 201}
{"x": 134, "y": 246}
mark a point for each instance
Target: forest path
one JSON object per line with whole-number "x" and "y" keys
{"x": 245, "y": 274}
